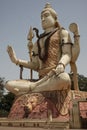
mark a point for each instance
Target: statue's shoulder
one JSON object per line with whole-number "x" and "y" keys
{"x": 65, "y": 36}
{"x": 64, "y": 32}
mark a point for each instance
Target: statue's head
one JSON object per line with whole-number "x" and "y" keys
{"x": 49, "y": 17}
{"x": 51, "y": 10}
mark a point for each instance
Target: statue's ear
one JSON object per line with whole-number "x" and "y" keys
{"x": 57, "y": 25}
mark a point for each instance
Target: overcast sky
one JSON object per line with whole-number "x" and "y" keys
{"x": 16, "y": 16}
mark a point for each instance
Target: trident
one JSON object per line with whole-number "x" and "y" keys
{"x": 30, "y": 46}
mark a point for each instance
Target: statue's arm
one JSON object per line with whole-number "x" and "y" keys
{"x": 34, "y": 64}
{"x": 66, "y": 51}
{"x": 66, "y": 47}
{"x": 28, "y": 64}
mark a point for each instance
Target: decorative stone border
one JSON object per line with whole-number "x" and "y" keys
{"x": 33, "y": 123}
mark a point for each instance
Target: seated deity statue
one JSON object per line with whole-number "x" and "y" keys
{"x": 51, "y": 53}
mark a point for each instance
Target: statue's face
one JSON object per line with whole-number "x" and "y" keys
{"x": 47, "y": 20}
{"x": 33, "y": 101}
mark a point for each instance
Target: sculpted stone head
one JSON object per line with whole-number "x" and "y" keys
{"x": 49, "y": 17}
{"x": 51, "y": 10}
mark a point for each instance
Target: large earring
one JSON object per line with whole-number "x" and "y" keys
{"x": 57, "y": 24}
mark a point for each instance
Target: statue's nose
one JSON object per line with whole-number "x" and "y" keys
{"x": 42, "y": 19}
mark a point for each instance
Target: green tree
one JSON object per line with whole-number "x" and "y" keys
{"x": 82, "y": 81}
{"x": 1, "y": 87}
{"x": 6, "y": 99}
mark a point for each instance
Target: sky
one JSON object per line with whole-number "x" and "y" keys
{"x": 16, "y": 17}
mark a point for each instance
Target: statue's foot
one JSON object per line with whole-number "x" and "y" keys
{"x": 9, "y": 87}
{"x": 19, "y": 87}
{"x": 74, "y": 28}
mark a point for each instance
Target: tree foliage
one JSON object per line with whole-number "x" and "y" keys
{"x": 82, "y": 81}
{"x": 1, "y": 86}
{"x": 6, "y": 100}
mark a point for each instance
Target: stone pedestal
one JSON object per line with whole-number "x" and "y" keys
{"x": 38, "y": 106}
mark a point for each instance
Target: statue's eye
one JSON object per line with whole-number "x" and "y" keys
{"x": 47, "y": 14}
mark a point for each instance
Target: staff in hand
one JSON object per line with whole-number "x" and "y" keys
{"x": 30, "y": 46}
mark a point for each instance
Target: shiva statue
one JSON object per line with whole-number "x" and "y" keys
{"x": 50, "y": 55}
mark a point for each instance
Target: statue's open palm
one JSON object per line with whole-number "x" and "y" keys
{"x": 12, "y": 54}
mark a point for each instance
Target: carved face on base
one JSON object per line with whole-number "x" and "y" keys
{"x": 32, "y": 103}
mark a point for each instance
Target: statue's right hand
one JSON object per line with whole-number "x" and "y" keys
{"x": 74, "y": 28}
{"x": 12, "y": 54}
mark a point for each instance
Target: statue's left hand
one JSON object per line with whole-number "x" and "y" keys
{"x": 60, "y": 68}
{"x": 12, "y": 54}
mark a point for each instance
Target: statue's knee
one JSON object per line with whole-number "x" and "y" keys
{"x": 68, "y": 83}
{"x": 65, "y": 77}
{"x": 65, "y": 80}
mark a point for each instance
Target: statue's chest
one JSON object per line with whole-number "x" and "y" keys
{"x": 54, "y": 42}
{"x": 53, "y": 48}
{"x": 42, "y": 42}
